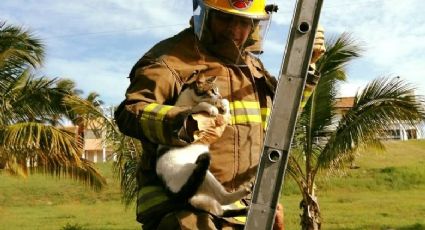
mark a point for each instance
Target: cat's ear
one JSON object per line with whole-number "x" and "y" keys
{"x": 201, "y": 78}
{"x": 193, "y": 77}
{"x": 211, "y": 79}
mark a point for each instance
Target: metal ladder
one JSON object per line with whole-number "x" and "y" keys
{"x": 281, "y": 126}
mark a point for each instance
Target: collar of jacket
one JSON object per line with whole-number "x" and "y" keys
{"x": 230, "y": 55}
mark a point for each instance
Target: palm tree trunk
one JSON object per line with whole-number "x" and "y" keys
{"x": 310, "y": 218}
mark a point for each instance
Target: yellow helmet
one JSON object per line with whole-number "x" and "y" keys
{"x": 255, "y": 9}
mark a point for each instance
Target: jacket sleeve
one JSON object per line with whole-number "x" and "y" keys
{"x": 313, "y": 77}
{"x": 147, "y": 113}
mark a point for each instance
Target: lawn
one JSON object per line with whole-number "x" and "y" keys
{"x": 42, "y": 202}
{"x": 385, "y": 192}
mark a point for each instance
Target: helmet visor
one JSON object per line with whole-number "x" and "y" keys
{"x": 199, "y": 17}
{"x": 216, "y": 27}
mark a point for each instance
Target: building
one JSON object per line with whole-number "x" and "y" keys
{"x": 94, "y": 146}
{"x": 401, "y": 131}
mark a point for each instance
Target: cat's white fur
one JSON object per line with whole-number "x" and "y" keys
{"x": 210, "y": 105}
{"x": 176, "y": 165}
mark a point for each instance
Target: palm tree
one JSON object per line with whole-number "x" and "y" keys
{"x": 18, "y": 49}
{"x": 322, "y": 143}
{"x": 85, "y": 113}
{"x": 27, "y": 105}
{"x": 128, "y": 152}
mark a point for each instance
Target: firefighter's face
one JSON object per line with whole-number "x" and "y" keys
{"x": 225, "y": 27}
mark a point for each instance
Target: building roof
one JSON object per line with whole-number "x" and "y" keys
{"x": 93, "y": 144}
{"x": 344, "y": 102}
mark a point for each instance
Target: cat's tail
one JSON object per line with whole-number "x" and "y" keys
{"x": 196, "y": 178}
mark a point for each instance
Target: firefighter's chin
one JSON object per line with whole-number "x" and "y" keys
{"x": 227, "y": 49}
{"x": 237, "y": 42}
{"x": 230, "y": 40}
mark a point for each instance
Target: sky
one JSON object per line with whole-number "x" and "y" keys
{"x": 96, "y": 42}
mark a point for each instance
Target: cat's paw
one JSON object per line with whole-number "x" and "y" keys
{"x": 216, "y": 209}
{"x": 224, "y": 106}
{"x": 213, "y": 111}
{"x": 248, "y": 187}
{"x": 205, "y": 107}
{"x": 245, "y": 191}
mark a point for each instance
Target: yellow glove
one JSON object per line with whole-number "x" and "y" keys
{"x": 319, "y": 45}
{"x": 209, "y": 128}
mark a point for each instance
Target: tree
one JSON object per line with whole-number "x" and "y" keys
{"x": 128, "y": 153}
{"x": 86, "y": 113}
{"x": 28, "y": 105}
{"x": 322, "y": 143}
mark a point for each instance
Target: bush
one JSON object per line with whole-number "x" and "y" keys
{"x": 69, "y": 226}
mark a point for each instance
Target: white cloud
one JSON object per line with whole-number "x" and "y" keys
{"x": 96, "y": 42}
{"x": 392, "y": 30}
{"x": 107, "y": 77}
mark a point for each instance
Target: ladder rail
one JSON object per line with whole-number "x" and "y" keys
{"x": 282, "y": 121}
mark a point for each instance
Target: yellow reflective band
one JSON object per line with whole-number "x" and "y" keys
{"x": 265, "y": 114}
{"x": 244, "y": 105}
{"x": 159, "y": 124}
{"x": 151, "y": 202}
{"x": 158, "y": 198}
{"x": 162, "y": 111}
{"x": 303, "y": 103}
{"x": 239, "y": 204}
{"x": 149, "y": 189}
{"x": 245, "y": 112}
{"x": 149, "y": 108}
{"x": 146, "y": 115}
{"x": 306, "y": 95}
{"x": 153, "y": 114}
{"x": 245, "y": 118}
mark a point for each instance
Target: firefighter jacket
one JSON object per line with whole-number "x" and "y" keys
{"x": 148, "y": 113}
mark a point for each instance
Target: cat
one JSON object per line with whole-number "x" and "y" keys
{"x": 184, "y": 170}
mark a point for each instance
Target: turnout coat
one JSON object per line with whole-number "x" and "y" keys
{"x": 148, "y": 114}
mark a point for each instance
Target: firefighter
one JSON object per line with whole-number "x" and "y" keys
{"x": 221, "y": 41}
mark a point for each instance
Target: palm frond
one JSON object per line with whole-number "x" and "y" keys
{"x": 32, "y": 135}
{"x": 318, "y": 114}
{"x": 93, "y": 97}
{"x": 383, "y": 102}
{"x": 69, "y": 86}
{"x": 316, "y": 120}
{"x": 19, "y": 47}
{"x": 47, "y": 149}
{"x": 88, "y": 114}
{"x": 340, "y": 52}
{"x": 86, "y": 172}
{"x": 128, "y": 153}
{"x": 31, "y": 99}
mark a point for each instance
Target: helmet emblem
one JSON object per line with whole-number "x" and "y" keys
{"x": 241, "y": 4}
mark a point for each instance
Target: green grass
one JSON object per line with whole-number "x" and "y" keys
{"x": 385, "y": 192}
{"x": 43, "y": 202}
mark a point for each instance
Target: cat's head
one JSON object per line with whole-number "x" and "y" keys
{"x": 203, "y": 86}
